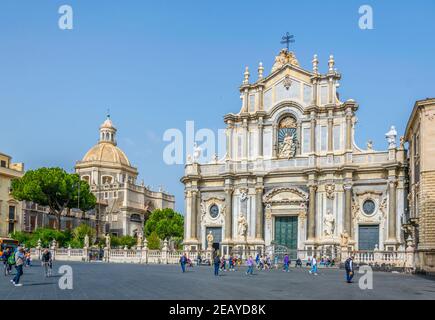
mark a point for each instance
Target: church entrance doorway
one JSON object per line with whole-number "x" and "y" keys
{"x": 217, "y": 236}
{"x": 368, "y": 237}
{"x": 286, "y": 233}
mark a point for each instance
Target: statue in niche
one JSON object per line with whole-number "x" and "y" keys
{"x": 243, "y": 226}
{"x": 288, "y": 147}
{"x": 329, "y": 224}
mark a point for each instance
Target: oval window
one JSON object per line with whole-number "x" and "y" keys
{"x": 214, "y": 211}
{"x": 369, "y": 207}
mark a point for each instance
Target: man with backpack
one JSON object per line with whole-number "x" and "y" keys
{"x": 348, "y": 266}
{"x": 19, "y": 263}
{"x": 5, "y": 257}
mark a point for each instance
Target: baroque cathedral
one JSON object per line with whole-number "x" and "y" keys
{"x": 293, "y": 174}
{"x": 122, "y": 204}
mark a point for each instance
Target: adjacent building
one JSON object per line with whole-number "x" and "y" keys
{"x": 10, "y": 209}
{"x": 420, "y": 222}
{"x": 123, "y": 204}
{"x": 293, "y": 174}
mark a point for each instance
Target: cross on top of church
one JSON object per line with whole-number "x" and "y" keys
{"x": 287, "y": 39}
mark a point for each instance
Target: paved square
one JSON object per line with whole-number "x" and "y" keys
{"x": 132, "y": 281}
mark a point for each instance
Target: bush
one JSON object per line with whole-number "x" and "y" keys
{"x": 46, "y": 235}
{"x": 22, "y": 237}
{"x": 153, "y": 241}
{"x": 80, "y": 232}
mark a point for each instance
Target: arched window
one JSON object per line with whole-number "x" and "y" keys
{"x": 287, "y": 137}
{"x": 135, "y": 218}
{"x": 107, "y": 180}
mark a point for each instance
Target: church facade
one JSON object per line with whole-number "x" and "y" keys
{"x": 122, "y": 204}
{"x": 293, "y": 174}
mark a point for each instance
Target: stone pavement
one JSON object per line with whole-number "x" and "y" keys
{"x": 131, "y": 281}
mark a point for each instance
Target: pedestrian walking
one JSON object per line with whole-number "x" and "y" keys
{"x": 183, "y": 261}
{"x": 19, "y": 263}
{"x": 286, "y": 263}
{"x": 216, "y": 262}
{"x": 313, "y": 266}
{"x": 250, "y": 264}
{"x": 348, "y": 266}
{"x": 276, "y": 262}
{"x": 28, "y": 258}
{"x": 5, "y": 257}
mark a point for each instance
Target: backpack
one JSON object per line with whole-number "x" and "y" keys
{"x": 11, "y": 259}
{"x": 347, "y": 264}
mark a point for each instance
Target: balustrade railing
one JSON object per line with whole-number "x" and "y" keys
{"x": 401, "y": 259}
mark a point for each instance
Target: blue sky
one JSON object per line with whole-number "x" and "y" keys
{"x": 156, "y": 64}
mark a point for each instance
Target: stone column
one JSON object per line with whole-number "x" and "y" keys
{"x": 349, "y": 130}
{"x": 245, "y": 138}
{"x": 315, "y": 92}
{"x": 229, "y": 214}
{"x": 274, "y": 141}
{"x": 259, "y": 219}
{"x": 348, "y": 209}
{"x": 230, "y": 140}
{"x": 299, "y": 137}
{"x": 198, "y": 217}
{"x": 392, "y": 186}
{"x": 193, "y": 215}
{"x": 260, "y": 99}
{"x": 260, "y": 137}
{"x": 312, "y": 212}
{"x": 330, "y": 132}
{"x": 313, "y": 133}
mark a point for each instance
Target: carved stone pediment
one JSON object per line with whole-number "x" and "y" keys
{"x": 285, "y": 196}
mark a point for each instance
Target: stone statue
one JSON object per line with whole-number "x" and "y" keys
{"x": 283, "y": 58}
{"x": 329, "y": 223}
{"x": 107, "y": 241}
{"x": 243, "y": 196}
{"x": 402, "y": 142}
{"x": 197, "y": 151}
{"x": 139, "y": 240}
{"x": 344, "y": 239}
{"x": 189, "y": 159}
{"x": 370, "y": 145}
{"x": 210, "y": 239}
{"x": 243, "y": 226}
{"x": 391, "y": 137}
{"x": 86, "y": 241}
{"x": 288, "y": 147}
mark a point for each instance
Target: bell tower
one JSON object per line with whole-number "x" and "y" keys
{"x": 108, "y": 131}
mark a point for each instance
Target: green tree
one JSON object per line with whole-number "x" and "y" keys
{"x": 22, "y": 237}
{"x": 166, "y": 223}
{"x": 55, "y": 188}
{"x": 153, "y": 241}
